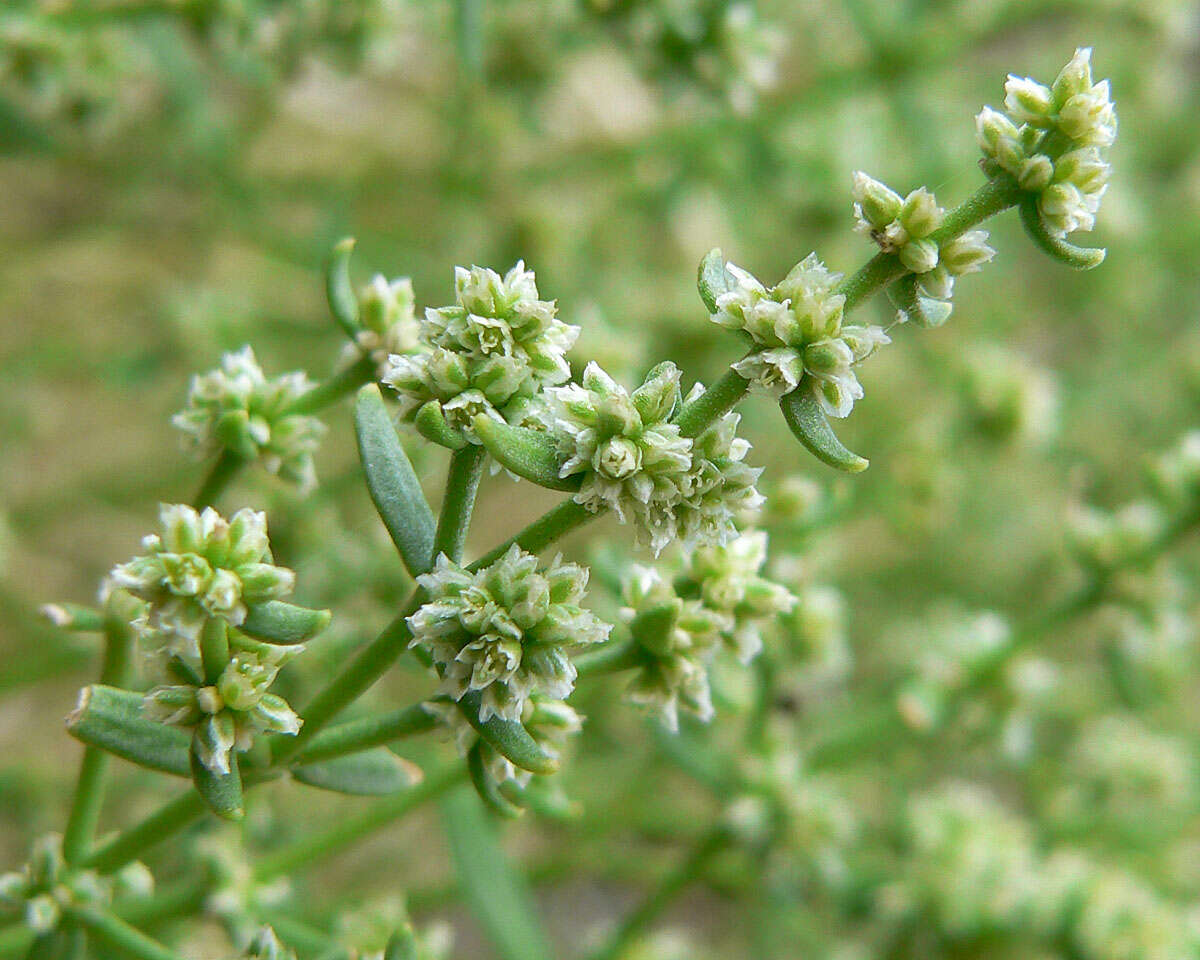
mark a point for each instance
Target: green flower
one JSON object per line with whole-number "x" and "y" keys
{"x": 236, "y": 408}
{"x": 387, "y": 315}
{"x": 1051, "y": 141}
{"x": 796, "y": 327}
{"x": 495, "y": 347}
{"x": 47, "y": 885}
{"x": 229, "y": 714}
{"x": 202, "y": 566}
{"x": 728, "y": 581}
{"x": 677, "y": 649}
{"x": 633, "y": 459}
{"x": 506, "y": 630}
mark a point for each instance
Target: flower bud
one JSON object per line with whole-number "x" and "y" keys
{"x": 878, "y": 204}
{"x": 919, "y": 256}
{"x": 966, "y": 253}
{"x": 1028, "y": 101}
{"x": 921, "y": 214}
{"x": 1075, "y": 77}
{"x": 992, "y": 129}
{"x": 1034, "y": 173}
{"x": 617, "y": 458}
{"x": 828, "y": 357}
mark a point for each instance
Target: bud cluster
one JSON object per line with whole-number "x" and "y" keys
{"x": 200, "y": 567}
{"x": 907, "y": 226}
{"x": 47, "y": 885}
{"x": 634, "y": 461}
{"x": 199, "y": 579}
{"x": 797, "y": 330}
{"x": 491, "y": 352}
{"x": 387, "y": 321}
{"x": 1051, "y": 140}
{"x": 236, "y": 408}
{"x": 1008, "y": 398}
{"x": 506, "y": 630}
{"x": 717, "y": 600}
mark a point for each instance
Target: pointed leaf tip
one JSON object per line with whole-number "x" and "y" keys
{"x": 339, "y": 289}
{"x": 808, "y": 422}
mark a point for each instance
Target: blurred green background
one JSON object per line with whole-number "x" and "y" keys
{"x": 172, "y": 175}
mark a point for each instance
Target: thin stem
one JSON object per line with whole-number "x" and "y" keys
{"x": 222, "y": 473}
{"x": 93, "y": 771}
{"x": 462, "y": 483}
{"x": 367, "y": 732}
{"x": 367, "y": 667}
{"x": 611, "y": 658}
{"x": 178, "y": 899}
{"x": 128, "y": 846}
{"x": 714, "y": 403}
{"x": 638, "y": 922}
{"x": 310, "y": 849}
{"x": 549, "y": 527}
{"x": 330, "y": 391}
{"x": 117, "y": 934}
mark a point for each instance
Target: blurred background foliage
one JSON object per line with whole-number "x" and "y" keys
{"x": 172, "y": 174}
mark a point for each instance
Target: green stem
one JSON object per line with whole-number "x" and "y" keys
{"x": 367, "y": 732}
{"x": 462, "y": 483}
{"x": 310, "y": 849}
{"x": 549, "y": 527}
{"x": 128, "y": 846}
{"x": 367, "y": 667}
{"x": 611, "y": 658}
{"x": 178, "y": 899}
{"x": 638, "y": 922}
{"x": 714, "y": 403}
{"x": 992, "y": 198}
{"x": 224, "y": 469}
{"x": 120, "y": 936}
{"x": 330, "y": 391}
{"x": 93, "y": 771}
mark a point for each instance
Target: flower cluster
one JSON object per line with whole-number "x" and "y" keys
{"x": 973, "y": 868}
{"x": 388, "y": 322}
{"x": 227, "y": 714}
{"x": 202, "y": 576}
{"x": 1051, "y": 140}
{"x": 47, "y": 885}
{"x": 506, "y": 630}
{"x": 201, "y": 566}
{"x": 492, "y": 351}
{"x": 906, "y": 226}
{"x": 718, "y": 600}
{"x": 729, "y": 581}
{"x": 236, "y": 408}
{"x": 797, "y": 330}
{"x": 237, "y": 899}
{"x": 634, "y": 461}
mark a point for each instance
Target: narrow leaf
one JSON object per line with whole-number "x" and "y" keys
{"x": 508, "y": 737}
{"x": 486, "y": 787}
{"x": 712, "y": 278}
{"x": 808, "y": 422}
{"x": 1080, "y": 258}
{"x": 339, "y": 289}
{"x": 222, "y": 792}
{"x": 372, "y": 773}
{"x": 112, "y": 720}
{"x": 431, "y": 424}
{"x": 496, "y": 893}
{"x": 393, "y": 484}
{"x": 527, "y": 453}
{"x": 283, "y": 623}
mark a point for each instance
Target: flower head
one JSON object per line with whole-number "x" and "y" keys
{"x": 497, "y": 345}
{"x": 47, "y": 885}
{"x": 387, "y": 315}
{"x": 1051, "y": 139}
{"x": 506, "y": 630}
{"x": 634, "y": 461}
{"x": 236, "y": 408}
{"x": 798, "y": 333}
{"x": 199, "y": 567}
